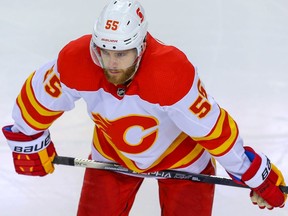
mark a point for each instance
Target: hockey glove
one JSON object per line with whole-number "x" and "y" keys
{"x": 32, "y": 155}
{"x": 264, "y": 179}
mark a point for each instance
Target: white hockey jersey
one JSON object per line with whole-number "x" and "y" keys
{"x": 163, "y": 119}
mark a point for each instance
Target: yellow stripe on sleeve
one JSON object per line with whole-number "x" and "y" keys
{"x": 34, "y": 102}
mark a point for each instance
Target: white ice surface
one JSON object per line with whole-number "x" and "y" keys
{"x": 239, "y": 47}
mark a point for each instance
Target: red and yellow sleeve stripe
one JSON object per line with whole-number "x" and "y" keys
{"x": 222, "y": 137}
{"x": 34, "y": 114}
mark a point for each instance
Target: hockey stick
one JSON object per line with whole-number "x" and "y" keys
{"x": 172, "y": 174}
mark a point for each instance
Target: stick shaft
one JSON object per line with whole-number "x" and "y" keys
{"x": 86, "y": 163}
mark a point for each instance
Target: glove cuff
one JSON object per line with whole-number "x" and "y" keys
{"x": 259, "y": 169}
{"x": 32, "y": 146}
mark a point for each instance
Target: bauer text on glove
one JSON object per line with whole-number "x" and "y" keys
{"x": 32, "y": 155}
{"x": 264, "y": 179}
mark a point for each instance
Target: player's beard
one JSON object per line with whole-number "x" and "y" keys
{"x": 121, "y": 76}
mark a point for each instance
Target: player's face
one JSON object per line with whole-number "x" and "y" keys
{"x": 119, "y": 66}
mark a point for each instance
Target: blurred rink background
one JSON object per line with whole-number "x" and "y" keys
{"x": 239, "y": 47}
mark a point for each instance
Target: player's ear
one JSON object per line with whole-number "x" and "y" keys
{"x": 144, "y": 45}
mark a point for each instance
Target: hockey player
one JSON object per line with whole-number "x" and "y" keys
{"x": 151, "y": 112}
